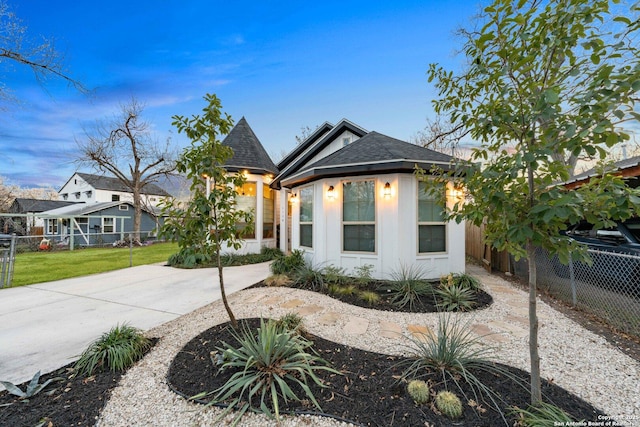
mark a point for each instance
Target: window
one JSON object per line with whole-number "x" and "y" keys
{"x": 77, "y": 194}
{"x": 306, "y": 217}
{"x": 108, "y": 225}
{"x": 246, "y": 201}
{"x": 267, "y": 212}
{"x": 345, "y": 141}
{"x": 431, "y": 226}
{"x": 65, "y": 196}
{"x": 115, "y": 197}
{"x": 89, "y": 193}
{"x": 359, "y": 216}
{"x": 81, "y": 223}
{"x": 123, "y": 207}
{"x": 52, "y": 226}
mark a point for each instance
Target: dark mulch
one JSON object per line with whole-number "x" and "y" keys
{"x": 73, "y": 402}
{"x": 426, "y": 304}
{"x": 369, "y": 392}
{"x": 68, "y": 401}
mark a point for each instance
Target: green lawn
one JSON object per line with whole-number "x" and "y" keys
{"x": 37, "y": 267}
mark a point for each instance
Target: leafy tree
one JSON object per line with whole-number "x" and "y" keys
{"x": 17, "y": 48}
{"x": 123, "y": 147}
{"x": 207, "y": 223}
{"x": 551, "y": 79}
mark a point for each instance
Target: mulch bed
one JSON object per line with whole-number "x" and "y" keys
{"x": 67, "y": 401}
{"x": 369, "y": 393}
{"x": 426, "y": 304}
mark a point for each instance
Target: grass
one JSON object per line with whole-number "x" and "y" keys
{"x": 38, "y": 267}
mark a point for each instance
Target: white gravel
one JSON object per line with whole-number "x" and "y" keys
{"x": 575, "y": 358}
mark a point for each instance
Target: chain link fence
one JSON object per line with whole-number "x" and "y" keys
{"x": 609, "y": 288}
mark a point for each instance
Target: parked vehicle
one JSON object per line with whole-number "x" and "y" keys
{"x": 623, "y": 238}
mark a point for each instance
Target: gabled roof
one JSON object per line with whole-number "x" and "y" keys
{"x": 627, "y": 168}
{"x": 24, "y": 205}
{"x": 101, "y": 182}
{"x": 314, "y": 144}
{"x": 248, "y": 152}
{"x": 371, "y": 154}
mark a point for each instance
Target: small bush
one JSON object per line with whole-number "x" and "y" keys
{"x": 345, "y": 290}
{"x": 364, "y": 274}
{"x": 407, "y": 286}
{"x": 467, "y": 281}
{"x": 370, "y": 297}
{"x": 334, "y": 275}
{"x": 455, "y": 298}
{"x": 269, "y": 365}
{"x": 287, "y": 264}
{"x": 115, "y": 350}
{"x": 542, "y": 415}
{"x": 188, "y": 258}
{"x": 291, "y": 322}
{"x": 278, "y": 280}
{"x": 449, "y": 404}
{"x": 419, "y": 391}
{"x": 271, "y": 253}
{"x": 307, "y": 275}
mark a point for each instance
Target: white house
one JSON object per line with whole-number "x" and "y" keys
{"x": 88, "y": 188}
{"x": 348, "y": 198}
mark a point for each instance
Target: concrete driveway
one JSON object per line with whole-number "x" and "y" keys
{"x": 46, "y": 326}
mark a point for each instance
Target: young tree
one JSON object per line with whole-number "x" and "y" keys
{"x": 124, "y": 147}
{"x": 551, "y": 79}
{"x": 40, "y": 56}
{"x": 207, "y": 223}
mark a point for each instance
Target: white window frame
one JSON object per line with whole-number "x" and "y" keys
{"x": 429, "y": 223}
{"x": 306, "y": 223}
{"x": 52, "y": 226}
{"x": 104, "y": 226}
{"x": 358, "y": 223}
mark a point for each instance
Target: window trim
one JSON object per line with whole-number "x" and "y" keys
{"x": 422, "y": 223}
{"x": 254, "y": 234}
{"x": 104, "y": 230}
{"x": 268, "y": 190}
{"x": 52, "y": 226}
{"x": 374, "y": 222}
{"x": 300, "y": 222}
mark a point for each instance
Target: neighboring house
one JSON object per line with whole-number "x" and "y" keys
{"x": 627, "y": 168}
{"x": 349, "y": 198}
{"x": 97, "y": 223}
{"x": 27, "y": 222}
{"x": 88, "y": 188}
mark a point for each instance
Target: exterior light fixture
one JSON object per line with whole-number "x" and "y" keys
{"x": 386, "y": 191}
{"x": 331, "y": 193}
{"x": 293, "y": 197}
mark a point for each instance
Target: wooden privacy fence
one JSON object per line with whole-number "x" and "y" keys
{"x": 491, "y": 259}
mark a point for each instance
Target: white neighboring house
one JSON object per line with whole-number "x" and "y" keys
{"x": 88, "y": 188}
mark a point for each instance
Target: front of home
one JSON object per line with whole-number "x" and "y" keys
{"x": 349, "y": 198}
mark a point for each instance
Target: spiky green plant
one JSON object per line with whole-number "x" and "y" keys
{"x": 407, "y": 286}
{"x": 419, "y": 391}
{"x": 452, "y": 355}
{"x": 268, "y": 365}
{"x": 467, "y": 281}
{"x": 34, "y": 387}
{"x": 455, "y": 298}
{"x": 308, "y": 275}
{"x": 370, "y": 297}
{"x": 115, "y": 350}
{"x": 334, "y": 275}
{"x": 542, "y": 415}
{"x": 449, "y": 404}
{"x": 287, "y": 264}
{"x": 292, "y": 322}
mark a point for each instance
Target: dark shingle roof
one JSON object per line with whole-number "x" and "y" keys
{"x": 101, "y": 182}
{"x": 23, "y": 205}
{"x": 248, "y": 152}
{"x": 373, "y": 153}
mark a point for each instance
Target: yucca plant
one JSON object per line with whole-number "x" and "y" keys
{"x": 408, "y": 285}
{"x": 34, "y": 387}
{"x": 452, "y": 355}
{"x": 267, "y": 365}
{"x": 542, "y": 415}
{"x": 115, "y": 350}
{"x": 467, "y": 281}
{"x": 455, "y": 298}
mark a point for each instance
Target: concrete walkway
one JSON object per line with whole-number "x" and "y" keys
{"x": 46, "y": 326}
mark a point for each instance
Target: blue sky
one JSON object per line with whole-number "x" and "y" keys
{"x": 282, "y": 65}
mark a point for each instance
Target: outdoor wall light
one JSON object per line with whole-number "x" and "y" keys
{"x": 293, "y": 197}
{"x": 386, "y": 191}
{"x": 331, "y": 193}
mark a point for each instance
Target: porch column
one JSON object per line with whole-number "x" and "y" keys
{"x": 283, "y": 219}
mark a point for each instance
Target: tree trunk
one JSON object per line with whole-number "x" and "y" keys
{"x": 137, "y": 214}
{"x": 227, "y": 307}
{"x": 536, "y": 393}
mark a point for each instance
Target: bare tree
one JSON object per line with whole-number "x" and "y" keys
{"x": 7, "y": 194}
{"x": 125, "y": 148}
{"x": 41, "y": 56}
{"x": 441, "y": 136}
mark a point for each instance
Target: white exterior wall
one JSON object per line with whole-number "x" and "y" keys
{"x": 396, "y": 231}
{"x": 77, "y": 191}
{"x": 334, "y": 146}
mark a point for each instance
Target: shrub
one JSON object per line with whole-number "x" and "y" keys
{"x": 334, "y": 275}
{"x": 188, "y": 258}
{"x": 455, "y": 298}
{"x": 291, "y": 322}
{"x": 307, "y": 275}
{"x": 363, "y": 274}
{"x": 542, "y": 415}
{"x": 449, "y": 404}
{"x": 278, "y": 280}
{"x": 419, "y": 391}
{"x": 268, "y": 366}
{"x": 370, "y": 297}
{"x": 287, "y": 264}
{"x": 32, "y": 389}
{"x": 467, "y": 281}
{"x": 115, "y": 350}
{"x": 345, "y": 290}
{"x": 271, "y": 253}
{"x": 408, "y": 285}
{"x": 453, "y": 354}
